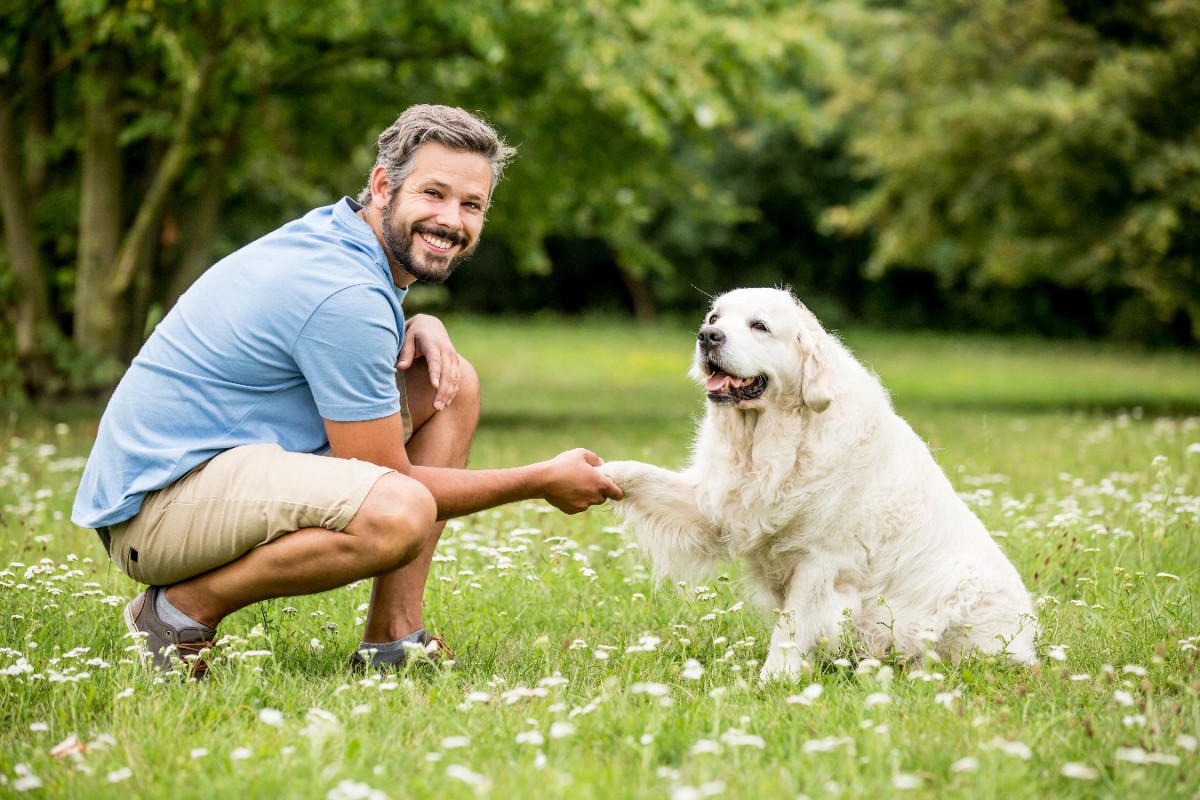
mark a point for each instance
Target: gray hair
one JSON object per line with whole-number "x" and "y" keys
{"x": 451, "y": 127}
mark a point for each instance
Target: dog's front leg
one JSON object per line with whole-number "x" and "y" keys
{"x": 811, "y": 618}
{"x": 660, "y": 506}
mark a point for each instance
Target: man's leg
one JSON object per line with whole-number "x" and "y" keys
{"x": 390, "y": 528}
{"x": 440, "y": 439}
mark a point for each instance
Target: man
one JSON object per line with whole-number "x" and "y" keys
{"x": 209, "y": 479}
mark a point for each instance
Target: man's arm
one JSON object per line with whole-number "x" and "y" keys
{"x": 569, "y": 481}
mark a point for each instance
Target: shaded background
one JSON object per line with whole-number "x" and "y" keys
{"x": 1028, "y": 166}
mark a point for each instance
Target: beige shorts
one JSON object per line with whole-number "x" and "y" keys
{"x": 238, "y": 500}
{"x": 235, "y": 501}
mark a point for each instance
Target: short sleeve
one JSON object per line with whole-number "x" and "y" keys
{"x": 347, "y": 353}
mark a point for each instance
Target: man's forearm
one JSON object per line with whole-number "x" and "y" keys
{"x": 459, "y": 492}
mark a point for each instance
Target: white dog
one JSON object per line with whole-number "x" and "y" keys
{"x": 804, "y": 471}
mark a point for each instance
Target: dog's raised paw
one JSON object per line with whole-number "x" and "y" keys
{"x": 626, "y": 474}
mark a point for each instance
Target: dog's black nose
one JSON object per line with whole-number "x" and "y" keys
{"x": 710, "y": 337}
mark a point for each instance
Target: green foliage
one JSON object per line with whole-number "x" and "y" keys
{"x": 1017, "y": 142}
{"x": 1015, "y": 151}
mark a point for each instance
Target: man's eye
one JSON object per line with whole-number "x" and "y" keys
{"x": 759, "y": 325}
{"x": 433, "y": 193}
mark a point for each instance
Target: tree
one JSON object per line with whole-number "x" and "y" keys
{"x": 140, "y": 140}
{"x": 1012, "y": 142}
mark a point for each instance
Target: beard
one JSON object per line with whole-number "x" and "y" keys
{"x": 430, "y": 268}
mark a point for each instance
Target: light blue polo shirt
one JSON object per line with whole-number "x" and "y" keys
{"x": 298, "y": 327}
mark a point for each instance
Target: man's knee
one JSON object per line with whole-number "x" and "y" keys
{"x": 395, "y": 520}
{"x": 469, "y": 394}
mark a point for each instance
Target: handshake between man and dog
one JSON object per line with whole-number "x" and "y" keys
{"x": 803, "y": 470}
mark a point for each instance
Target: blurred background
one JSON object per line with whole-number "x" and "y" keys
{"x": 1010, "y": 166}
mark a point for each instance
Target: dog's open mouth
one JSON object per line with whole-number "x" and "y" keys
{"x": 725, "y": 388}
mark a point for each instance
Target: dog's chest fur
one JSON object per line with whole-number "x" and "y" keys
{"x": 754, "y": 496}
{"x": 775, "y": 501}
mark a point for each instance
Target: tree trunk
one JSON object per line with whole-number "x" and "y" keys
{"x": 97, "y": 310}
{"x": 644, "y": 308}
{"x": 150, "y": 211}
{"x": 31, "y": 315}
{"x": 203, "y": 222}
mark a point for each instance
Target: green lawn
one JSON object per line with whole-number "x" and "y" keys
{"x": 578, "y": 677}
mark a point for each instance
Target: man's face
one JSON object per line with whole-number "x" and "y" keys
{"x": 432, "y": 221}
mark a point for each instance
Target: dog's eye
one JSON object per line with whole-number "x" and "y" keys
{"x": 712, "y": 318}
{"x": 759, "y": 325}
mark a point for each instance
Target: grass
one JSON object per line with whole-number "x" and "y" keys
{"x": 579, "y": 677}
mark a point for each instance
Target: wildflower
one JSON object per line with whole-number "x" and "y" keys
{"x": 118, "y": 775}
{"x": 1016, "y": 750}
{"x": 241, "y": 754}
{"x": 198, "y": 752}
{"x": 269, "y": 716}
{"x": 476, "y": 781}
{"x": 39, "y": 727}
{"x": 876, "y": 699}
{"x": 1079, "y": 772}
{"x": 646, "y": 644}
{"x": 354, "y": 790}
{"x": 652, "y": 689}
{"x": 705, "y": 746}
{"x": 967, "y": 764}
{"x": 1136, "y": 755}
{"x": 455, "y": 742}
{"x": 26, "y": 781}
{"x": 1186, "y": 742}
{"x": 903, "y": 781}
{"x": 826, "y": 745}
{"x": 736, "y": 738}
{"x": 531, "y": 737}
{"x": 946, "y": 699}
{"x": 808, "y": 696}
{"x": 1123, "y": 697}
{"x": 692, "y": 670}
{"x": 561, "y": 730}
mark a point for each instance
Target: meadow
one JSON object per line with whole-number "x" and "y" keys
{"x": 578, "y": 675}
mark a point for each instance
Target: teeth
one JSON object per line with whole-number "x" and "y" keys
{"x": 443, "y": 244}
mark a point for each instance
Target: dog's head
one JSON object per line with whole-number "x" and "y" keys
{"x": 759, "y": 345}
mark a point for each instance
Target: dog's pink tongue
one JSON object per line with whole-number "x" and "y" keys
{"x": 718, "y": 382}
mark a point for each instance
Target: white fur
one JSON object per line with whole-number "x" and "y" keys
{"x": 833, "y": 503}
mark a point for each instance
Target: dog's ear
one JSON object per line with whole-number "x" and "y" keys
{"x": 819, "y": 381}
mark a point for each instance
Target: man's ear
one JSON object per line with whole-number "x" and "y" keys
{"x": 381, "y": 187}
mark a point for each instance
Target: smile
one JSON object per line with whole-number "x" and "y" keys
{"x": 436, "y": 242}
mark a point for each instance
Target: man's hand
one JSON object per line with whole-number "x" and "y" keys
{"x": 573, "y": 483}
{"x": 426, "y": 337}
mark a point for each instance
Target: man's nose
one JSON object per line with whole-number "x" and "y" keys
{"x": 449, "y": 215}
